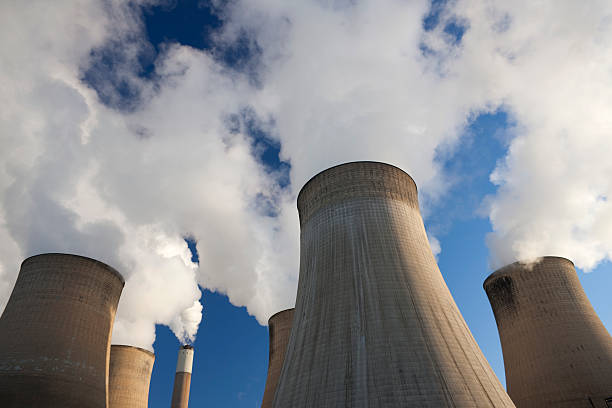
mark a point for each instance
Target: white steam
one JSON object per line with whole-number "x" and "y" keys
{"x": 58, "y": 143}
{"x": 331, "y": 82}
{"x": 186, "y": 324}
{"x": 551, "y": 62}
{"x": 347, "y": 81}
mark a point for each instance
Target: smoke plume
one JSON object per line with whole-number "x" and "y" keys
{"x": 106, "y": 161}
{"x": 550, "y": 62}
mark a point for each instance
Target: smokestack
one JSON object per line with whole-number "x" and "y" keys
{"x": 182, "y": 380}
{"x": 129, "y": 376}
{"x": 557, "y": 353}
{"x": 375, "y": 324}
{"x": 55, "y": 333}
{"x": 280, "y": 328}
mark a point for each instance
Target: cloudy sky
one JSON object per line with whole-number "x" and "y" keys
{"x": 169, "y": 139}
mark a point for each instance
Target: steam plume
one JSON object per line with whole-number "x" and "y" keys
{"x": 123, "y": 179}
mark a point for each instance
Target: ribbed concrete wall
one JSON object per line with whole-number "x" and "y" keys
{"x": 279, "y": 326}
{"x": 55, "y": 333}
{"x": 557, "y": 353}
{"x": 129, "y": 376}
{"x": 182, "y": 379}
{"x": 375, "y": 324}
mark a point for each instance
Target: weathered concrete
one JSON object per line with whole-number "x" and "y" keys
{"x": 375, "y": 324}
{"x": 280, "y": 328}
{"x": 55, "y": 333}
{"x": 129, "y": 376}
{"x": 557, "y": 353}
{"x": 182, "y": 379}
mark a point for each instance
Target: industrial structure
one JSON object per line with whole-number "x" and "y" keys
{"x": 279, "y": 326}
{"x": 182, "y": 379}
{"x": 557, "y": 353}
{"x": 129, "y": 376}
{"x": 55, "y": 333}
{"x": 375, "y": 324}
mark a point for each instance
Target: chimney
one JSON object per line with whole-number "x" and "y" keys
{"x": 557, "y": 353}
{"x": 129, "y": 376}
{"x": 375, "y": 324}
{"x": 182, "y": 379}
{"x": 55, "y": 333}
{"x": 280, "y": 328}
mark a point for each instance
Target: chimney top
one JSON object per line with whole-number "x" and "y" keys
{"x": 185, "y": 359}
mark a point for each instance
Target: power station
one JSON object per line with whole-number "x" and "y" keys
{"x": 279, "y": 326}
{"x": 375, "y": 324}
{"x": 55, "y": 333}
{"x": 129, "y": 376}
{"x": 557, "y": 353}
{"x": 182, "y": 378}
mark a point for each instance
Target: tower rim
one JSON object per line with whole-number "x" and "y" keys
{"x": 357, "y": 179}
{"x": 127, "y": 346}
{"x": 507, "y": 269}
{"x": 95, "y": 261}
{"x": 335, "y": 167}
{"x": 278, "y": 313}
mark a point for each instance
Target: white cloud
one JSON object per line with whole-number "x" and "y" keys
{"x": 347, "y": 81}
{"x": 332, "y": 82}
{"x": 434, "y": 243}
{"x": 126, "y": 187}
{"x": 551, "y": 62}
{"x": 76, "y": 177}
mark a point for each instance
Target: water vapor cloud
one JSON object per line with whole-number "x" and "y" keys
{"x": 102, "y": 159}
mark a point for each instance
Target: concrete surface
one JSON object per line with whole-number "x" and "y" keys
{"x": 557, "y": 353}
{"x": 129, "y": 376}
{"x": 279, "y": 326}
{"x": 375, "y": 324}
{"x": 55, "y": 333}
{"x": 182, "y": 378}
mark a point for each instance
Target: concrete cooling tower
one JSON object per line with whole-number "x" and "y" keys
{"x": 280, "y": 328}
{"x": 557, "y": 353}
{"x": 129, "y": 376}
{"x": 55, "y": 333}
{"x": 182, "y": 379}
{"x": 375, "y": 324}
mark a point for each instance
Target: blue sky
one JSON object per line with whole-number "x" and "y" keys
{"x": 171, "y": 139}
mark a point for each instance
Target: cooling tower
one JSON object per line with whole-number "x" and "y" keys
{"x": 557, "y": 353}
{"x": 375, "y": 324}
{"x": 280, "y": 329}
{"x": 182, "y": 379}
{"x": 129, "y": 376}
{"x": 55, "y": 333}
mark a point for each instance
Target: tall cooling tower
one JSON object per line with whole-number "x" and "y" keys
{"x": 55, "y": 333}
{"x": 280, "y": 329}
{"x": 557, "y": 353}
{"x": 182, "y": 379}
{"x": 375, "y": 324}
{"x": 129, "y": 376}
